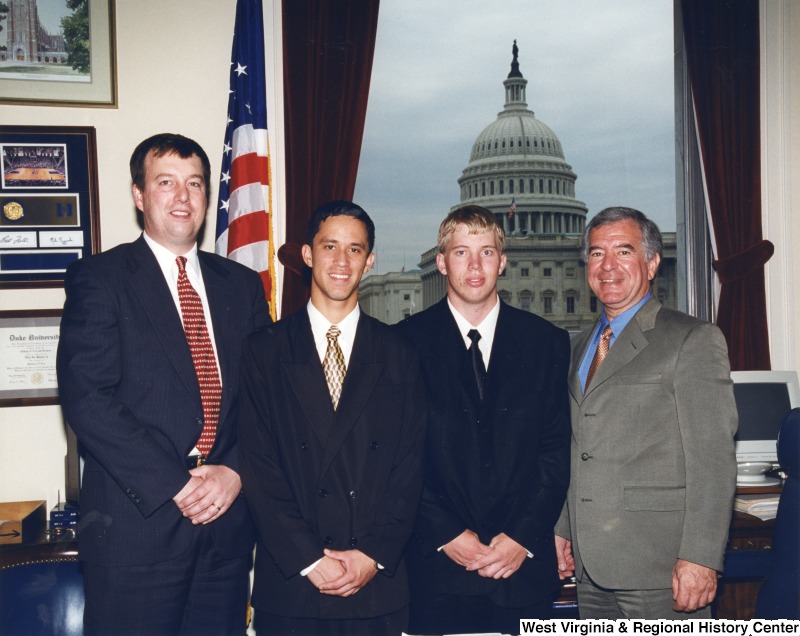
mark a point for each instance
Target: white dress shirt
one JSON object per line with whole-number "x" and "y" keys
{"x": 169, "y": 267}
{"x": 319, "y": 329}
{"x": 486, "y": 329}
{"x": 347, "y": 326}
{"x": 166, "y": 261}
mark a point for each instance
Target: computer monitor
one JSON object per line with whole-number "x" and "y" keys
{"x": 763, "y": 398}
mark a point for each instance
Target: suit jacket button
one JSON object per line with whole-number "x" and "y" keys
{"x": 353, "y": 494}
{"x": 374, "y": 445}
{"x": 304, "y": 446}
{"x": 323, "y": 493}
{"x": 353, "y": 542}
{"x": 585, "y": 456}
{"x": 327, "y": 540}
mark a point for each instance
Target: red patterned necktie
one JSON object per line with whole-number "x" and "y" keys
{"x": 205, "y": 362}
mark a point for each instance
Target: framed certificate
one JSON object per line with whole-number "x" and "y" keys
{"x": 48, "y": 202}
{"x": 28, "y": 345}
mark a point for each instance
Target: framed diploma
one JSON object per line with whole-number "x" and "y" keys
{"x": 48, "y": 202}
{"x": 28, "y": 344}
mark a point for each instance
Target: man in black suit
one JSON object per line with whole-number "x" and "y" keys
{"x": 497, "y": 453}
{"x": 148, "y": 366}
{"x": 332, "y": 433}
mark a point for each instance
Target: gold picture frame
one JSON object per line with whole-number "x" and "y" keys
{"x": 38, "y": 88}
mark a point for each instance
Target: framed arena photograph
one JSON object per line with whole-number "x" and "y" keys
{"x": 49, "y": 213}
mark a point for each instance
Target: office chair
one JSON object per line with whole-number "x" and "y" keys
{"x": 41, "y": 590}
{"x": 779, "y": 596}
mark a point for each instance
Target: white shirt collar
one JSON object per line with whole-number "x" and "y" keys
{"x": 166, "y": 259}
{"x": 486, "y": 328}
{"x": 347, "y": 326}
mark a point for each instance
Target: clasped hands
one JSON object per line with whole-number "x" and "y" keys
{"x": 498, "y": 560}
{"x": 210, "y": 491}
{"x": 342, "y": 572}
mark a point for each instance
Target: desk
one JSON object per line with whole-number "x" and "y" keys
{"x": 736, "y": 597}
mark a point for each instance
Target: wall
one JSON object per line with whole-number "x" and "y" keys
{"x": 173, "y": 60}
{"x": 172, "y": 72}
{"x": 780, "y": 140}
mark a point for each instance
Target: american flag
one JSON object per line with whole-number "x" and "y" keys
{"x": 244, "y": 214}
{"x": 513, "y": 207}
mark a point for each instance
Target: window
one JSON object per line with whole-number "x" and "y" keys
{"x": 525, "y": 301}
{"x": 524, "y": 272}
{"x": 570, "y": 304}
{"x": 502, "y": 186}
{"x": 511, "y": 186}
{"x": 547, "y": 301}
{"x": 569, "y": 272}
{"x": 491, "y": 187}
{"x": 406, "y": 296}
{"x": 593, "y": 304}
{"x": 394, "y": 77}
{"x": 547, "y": 272}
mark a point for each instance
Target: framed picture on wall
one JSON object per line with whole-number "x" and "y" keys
{"x": 58, "y": 53}
{"x": 28, "y": 344}
{"x": 48, "y": 202}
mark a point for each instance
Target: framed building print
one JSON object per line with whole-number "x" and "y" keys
{"x": 58, "y": 53}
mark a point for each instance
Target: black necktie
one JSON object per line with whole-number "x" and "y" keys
{"x": 477, "y": 360}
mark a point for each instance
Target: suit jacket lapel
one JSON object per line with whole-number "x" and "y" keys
{"x": 502, "y": 359}
{"x": 452, "y": 351}
{"x": 579, "y": 345}
{"x": 366, "y": 364}
{"x": 148, "y": 283}
{"x": 220, "y": 304}
{"x": 305, "y": 374}
{"x": 628, "y": 344}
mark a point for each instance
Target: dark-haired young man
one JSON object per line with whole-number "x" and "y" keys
{"x": 148, "y": 367}
{"x": 332, "y": 429}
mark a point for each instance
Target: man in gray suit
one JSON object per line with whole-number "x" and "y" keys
{"x": 653, "y": 417}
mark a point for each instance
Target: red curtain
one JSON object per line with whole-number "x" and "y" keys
{"x": 328, "y": 47}
{"x": 722, "y": 47}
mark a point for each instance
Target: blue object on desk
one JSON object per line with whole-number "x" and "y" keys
{"x": 779, "y": 596}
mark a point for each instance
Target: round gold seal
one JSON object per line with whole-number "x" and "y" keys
{"x": 13, "y": 211}
{"x": 37, "y": 378}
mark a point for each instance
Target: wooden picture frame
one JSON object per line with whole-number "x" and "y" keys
{"x": 49, "y": 213}
{"x": 48, "y": 76}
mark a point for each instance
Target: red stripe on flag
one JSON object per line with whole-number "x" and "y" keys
{"x": 247, "y": 229}
{"x": 249, "y": 168}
